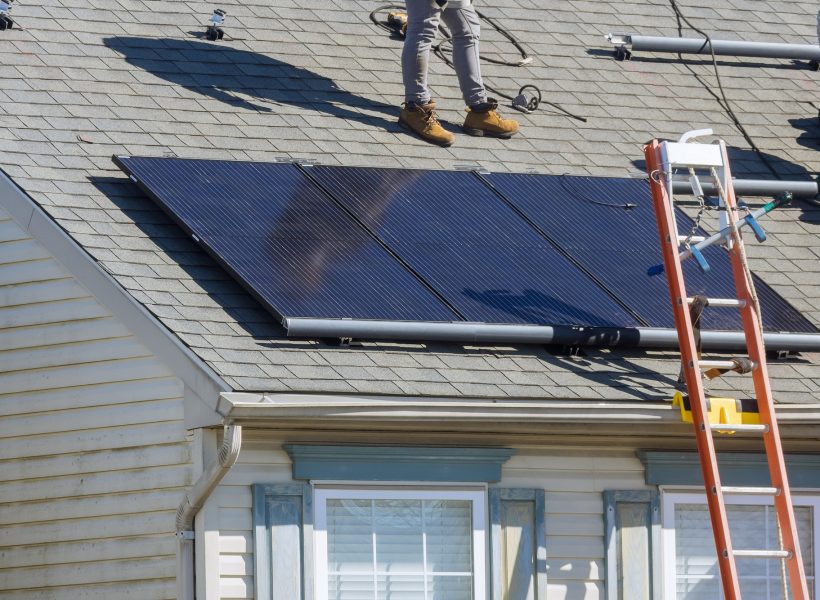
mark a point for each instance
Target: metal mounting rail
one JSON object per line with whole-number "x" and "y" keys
{"x": 626, "y": 43}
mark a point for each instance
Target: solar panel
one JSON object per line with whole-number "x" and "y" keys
{"x": 285, "y": 240}
{"x": 460, "y": 237}
{"x": 616, "y": 245}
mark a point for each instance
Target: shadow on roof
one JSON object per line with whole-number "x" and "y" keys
{"x": 248, "y": 80}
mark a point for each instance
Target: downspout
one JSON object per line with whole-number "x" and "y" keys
{"x": 194, "y": 498}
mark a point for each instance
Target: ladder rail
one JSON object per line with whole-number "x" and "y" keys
{"x": 774, "y": 451}
{"x": 668, "y": 233}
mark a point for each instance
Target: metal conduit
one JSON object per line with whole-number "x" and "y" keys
{"x": 484, "y": 333}
{"x": 629, "y": 42}
{"x": 751, "y": 187}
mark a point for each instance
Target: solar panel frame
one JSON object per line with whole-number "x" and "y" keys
{"x": 477, "y": 259}
{"x": 616, "y": 245}
{"x": 202, "y": 187}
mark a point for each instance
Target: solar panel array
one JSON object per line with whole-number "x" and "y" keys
{"x": 438, "y": 246}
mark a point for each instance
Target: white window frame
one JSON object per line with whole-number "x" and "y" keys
{"x": 476, "y": 496}
{"x": 668, "y": 554}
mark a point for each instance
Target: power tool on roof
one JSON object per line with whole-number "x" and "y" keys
{"x": 6, "y": 21}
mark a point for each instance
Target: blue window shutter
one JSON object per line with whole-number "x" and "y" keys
{"x": 283, "y": 545}
{"x": 518, "y": 546}
{"x": 633, "y": 544}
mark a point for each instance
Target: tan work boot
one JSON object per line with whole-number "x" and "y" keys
{"x": 484, "y": 119}
{"x": 421, "y": 119}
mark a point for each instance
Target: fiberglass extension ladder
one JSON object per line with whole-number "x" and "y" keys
{"x": 662, "y": 159}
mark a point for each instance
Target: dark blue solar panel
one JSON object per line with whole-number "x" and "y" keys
{"x": 285, "y": 240}
{"x": 617, "y": 245}
{"x": 482, "y": 257}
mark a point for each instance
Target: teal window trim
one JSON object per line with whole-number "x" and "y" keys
{"x": 496, "y": 497}
{"x": 614, "y": 560}
{"x": 683, "y": 468}
{"x": 265, "y": 569}
{"x": 397, "y": 463}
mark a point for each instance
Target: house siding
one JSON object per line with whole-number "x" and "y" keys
{"x": 573, "y": 480}
{"x": 93, "y": 450}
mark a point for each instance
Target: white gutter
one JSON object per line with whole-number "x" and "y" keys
{"x": 194, "y": 498}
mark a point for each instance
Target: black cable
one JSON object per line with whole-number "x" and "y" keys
{"x": 563, "y": 180}
{"x": 438, "y": 50}
{"x": 722, "y": 100}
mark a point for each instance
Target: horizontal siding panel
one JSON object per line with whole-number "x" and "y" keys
{"x": 52, "y": 356}
{"x": 236, "y": 587}
{"x": 79, "y": 309}
{"x": 575, "y": 547}
{"x": 88, "y": 529}
{"x": 155, "y": 411}
{"x": 575, "y": 570}
{"x": 41, "y": 291}
{"x": 235, "y": 519}
{"x": 84, "y": 573}
{"x": 21, "y": 251}
{"x": 235, "y": 543}
{"x": 115, "y": 482}
{"x": 63, "y": 377}
{"x": 573, "y": 503}
{"x": 558, "y": 524}
{"x": 577, "y": 481}
{"x": 104, "y": 394}
{"x": 234, "y": 565}
{"x": 61, "y": 333}
{"x": 10, "y": 231}
{"x": 164, "y": 589}
{"x": 233, "y": 496}
{"x": 72, "y": 441}
{"x": 94, "y": 462}
{"x": 91, "y": 551}
{"x": 91, "y": 506}
{"x": 40, "y": 270}
{"x": 244, "y": 475}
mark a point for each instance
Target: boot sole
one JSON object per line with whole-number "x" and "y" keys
{"x": 442, "y": 143}
{"x": 482, "y": 133}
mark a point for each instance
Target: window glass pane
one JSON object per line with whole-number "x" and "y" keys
{"x": 449, "y": 529}
{"x": 350, "y": 536}
{"x": 399, "y": 541}
{"x": 753, "y": 527}
{"x": 350, "y": 587}
{"x": 399, "y": 549}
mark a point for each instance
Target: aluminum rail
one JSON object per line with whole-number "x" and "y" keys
{"x": 484, "y": 333}
{"x": 751, "y": 187}
{"x": 632, "y": 43}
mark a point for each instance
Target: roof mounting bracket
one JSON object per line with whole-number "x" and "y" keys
{"x": 622, "y": 43}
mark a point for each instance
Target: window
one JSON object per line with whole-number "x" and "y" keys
{"x": 386, "y": 544}
{"x": 690, "y": 563}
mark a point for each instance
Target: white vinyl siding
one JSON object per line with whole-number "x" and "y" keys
{"x": 93, "y": 450}
{"x": 573, "y": 478}
{"x": 690, "y": 563}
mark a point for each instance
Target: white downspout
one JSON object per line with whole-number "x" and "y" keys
{"x": 194, "y": 498}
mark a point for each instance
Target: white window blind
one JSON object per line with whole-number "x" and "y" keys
{"x": 397, "y": 548}
{"x": 753, "y": 527}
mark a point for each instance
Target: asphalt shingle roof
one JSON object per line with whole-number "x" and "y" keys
{"x": 81, "y": 80}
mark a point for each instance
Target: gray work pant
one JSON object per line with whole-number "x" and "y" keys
{"x": 423, "y": 18}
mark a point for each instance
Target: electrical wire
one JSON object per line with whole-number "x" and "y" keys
{"x": 722, "y": 99}
{"x": 530, "y": 104}
{"x": 563, "y": 180}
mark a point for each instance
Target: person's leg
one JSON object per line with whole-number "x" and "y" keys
{"x": 465, "y": 27}
{"x": 422, "y": 23}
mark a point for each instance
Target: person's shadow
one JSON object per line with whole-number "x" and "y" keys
{"x": 248, "y": 80}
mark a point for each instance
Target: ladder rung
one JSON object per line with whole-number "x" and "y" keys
{"x": 763, "y": 553}
{"x": 695, "y": 239}
{"x": 739, "y": 428}
{"x": 756, "y": 491}
{"x": 717, "y": 364}
{"x": 723, "y": 302}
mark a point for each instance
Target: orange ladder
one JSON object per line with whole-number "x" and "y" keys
{"x": 662, "y": 158}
